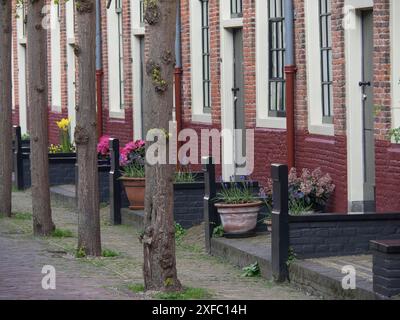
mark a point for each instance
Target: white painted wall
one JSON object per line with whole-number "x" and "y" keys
{"x": 71, "y": 91}
{"x": 395, "y": 54}
{"x": 21, "y": 56}
{"x": 262, "y": 72}
{"x": 55, "y": 39}
{"x": 115, "y": 101}
{"x": 137, "y": 33}
{"x": 314, "y": 89}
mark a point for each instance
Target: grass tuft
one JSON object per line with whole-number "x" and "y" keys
{"x": 62, "y": 233}
{"x": 186, "y": 294}
{"x": 22, "y": 215}
{"x": 136, "y": 287}
{"x": 107, "y": 253}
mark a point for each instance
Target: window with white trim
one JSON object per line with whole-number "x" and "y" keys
{"x": 55, "y": 41}
{"x": 276, "y": 21}
{"x": 320, "y": 99}
{"x": 205, "y": 31}
{"x": 115, "y": 58}
{"x": 200, "y": 60}
{"x": 325, "y": 7}
{"x": 236, "y": 8}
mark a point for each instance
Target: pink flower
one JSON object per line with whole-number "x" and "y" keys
{"x": 103, "y": 147}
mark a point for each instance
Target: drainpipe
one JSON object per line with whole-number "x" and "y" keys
{"x": 99, "y": 72}
{"x": 290, "y": 72}
{"x": 178, "y": 71}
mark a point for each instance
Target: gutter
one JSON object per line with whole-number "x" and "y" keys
{"x": 178, "y": 71}
{"x": 290, "y": 73}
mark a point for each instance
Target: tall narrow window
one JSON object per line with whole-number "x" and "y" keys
{"x": 276, "y": 23}
{"x": 326, "y": 59}
{"x": 141, "y": 10}
{"x": 236, "y": 8}
{"x": 206, "y": 55}
{"x": 118, "y": 10}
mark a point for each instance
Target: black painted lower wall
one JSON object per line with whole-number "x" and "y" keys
{"x": 340, "y": 235}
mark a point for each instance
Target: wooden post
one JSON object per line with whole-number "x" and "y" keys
{"x": 115, "y": 185}
{"x": 280, "y": 222}
{"x": 210, "y": 214}
{"x": 18, "y": 161}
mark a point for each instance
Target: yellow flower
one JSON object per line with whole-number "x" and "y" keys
{"x": 63, "y": 124}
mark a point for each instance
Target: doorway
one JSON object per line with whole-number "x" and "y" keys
{"x": 360, "y": 109}
{"x": 366, "y": 85}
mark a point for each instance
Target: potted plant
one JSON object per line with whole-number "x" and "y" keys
{"x": 238, "y": 208}
{"x": 132, "y": 162}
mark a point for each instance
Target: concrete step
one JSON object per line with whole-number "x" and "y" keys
{"x": 132, "y": 217}
{"x": 320, "y": 277}
{"x": 64, "y": 194}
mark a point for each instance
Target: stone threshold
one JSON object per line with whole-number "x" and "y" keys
{"x": 320, "y": 277}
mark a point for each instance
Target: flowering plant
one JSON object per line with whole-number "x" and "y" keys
{"x": 65, "y": 139}
{"x": 309, "y": 190}
{"x": 133, "y": 153}
{"x": 103, "y": 147}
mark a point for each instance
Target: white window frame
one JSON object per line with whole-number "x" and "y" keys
{"x": 198, "y": 114}
{"x": 138, "y": 31}
{"x": 263, "y": 119}
{"x": 55, "y": 47}
{"x": 395, "y": 53}
{"x": 314, "y": 66}
{"x": 115, "y": 74}
{"x": 21, "y": 56}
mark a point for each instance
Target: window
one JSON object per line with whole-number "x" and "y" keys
{"x": 205, "y": 55}
{"x": 141, "y": 10}
{"x": 276, "y": 22}
{"x": 326, "y": 59}
{"x": 236, "y": 9}
{"x": 55, "y": 51}
{"x": 115, "y": 59}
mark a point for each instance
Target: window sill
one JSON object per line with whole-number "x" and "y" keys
{"x": 117, "y": 114}
{"x": 202, "y": 118}
{"x": 272, "y": 123}
{"x": 138, "y": 31}
{"x": 232, "y": 23}
{"x": 323, "y": 129}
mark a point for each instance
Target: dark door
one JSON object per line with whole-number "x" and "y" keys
{"x": 368, "y": 110}
{"x": 238, "y": 96}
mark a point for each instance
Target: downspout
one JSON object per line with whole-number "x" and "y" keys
{"x": 178, "y": 71}
{"x": 99, "y": 72}
{"x": 290, "y": 72}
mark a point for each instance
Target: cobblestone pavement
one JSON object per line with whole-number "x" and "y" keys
{"x": 22, "y": 257}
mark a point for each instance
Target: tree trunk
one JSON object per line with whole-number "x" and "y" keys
{"x": 5, "y": 109}
{"x": 85, "y": 130}
{"x": 159, "y": 236}
{"x": 38, "y": 104}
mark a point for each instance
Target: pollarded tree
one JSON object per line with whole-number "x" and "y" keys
{"x": 36, "y": 49}
{"x": 159, "y": 235}
{"x": 85, "y": 130}
{"x": 5, "y": 108}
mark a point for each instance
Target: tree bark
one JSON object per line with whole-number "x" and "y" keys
{"x": 85, "y": 130}
{"x": 5, "y": 109}
{"x": 159, "y": 236}
{"x": 38, "y": 104}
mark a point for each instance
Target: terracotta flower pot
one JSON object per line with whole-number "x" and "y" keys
{"x": 135, "y": 188}
{"x": 239, "y": 218}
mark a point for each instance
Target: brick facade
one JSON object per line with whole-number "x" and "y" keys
{"x": 311, "y": 150}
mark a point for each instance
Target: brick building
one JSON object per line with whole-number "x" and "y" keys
{"x": 347, "y": 89}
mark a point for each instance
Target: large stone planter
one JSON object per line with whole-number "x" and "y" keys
{"x": 239, "y": 219}
{"x": 135, "y": 190}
